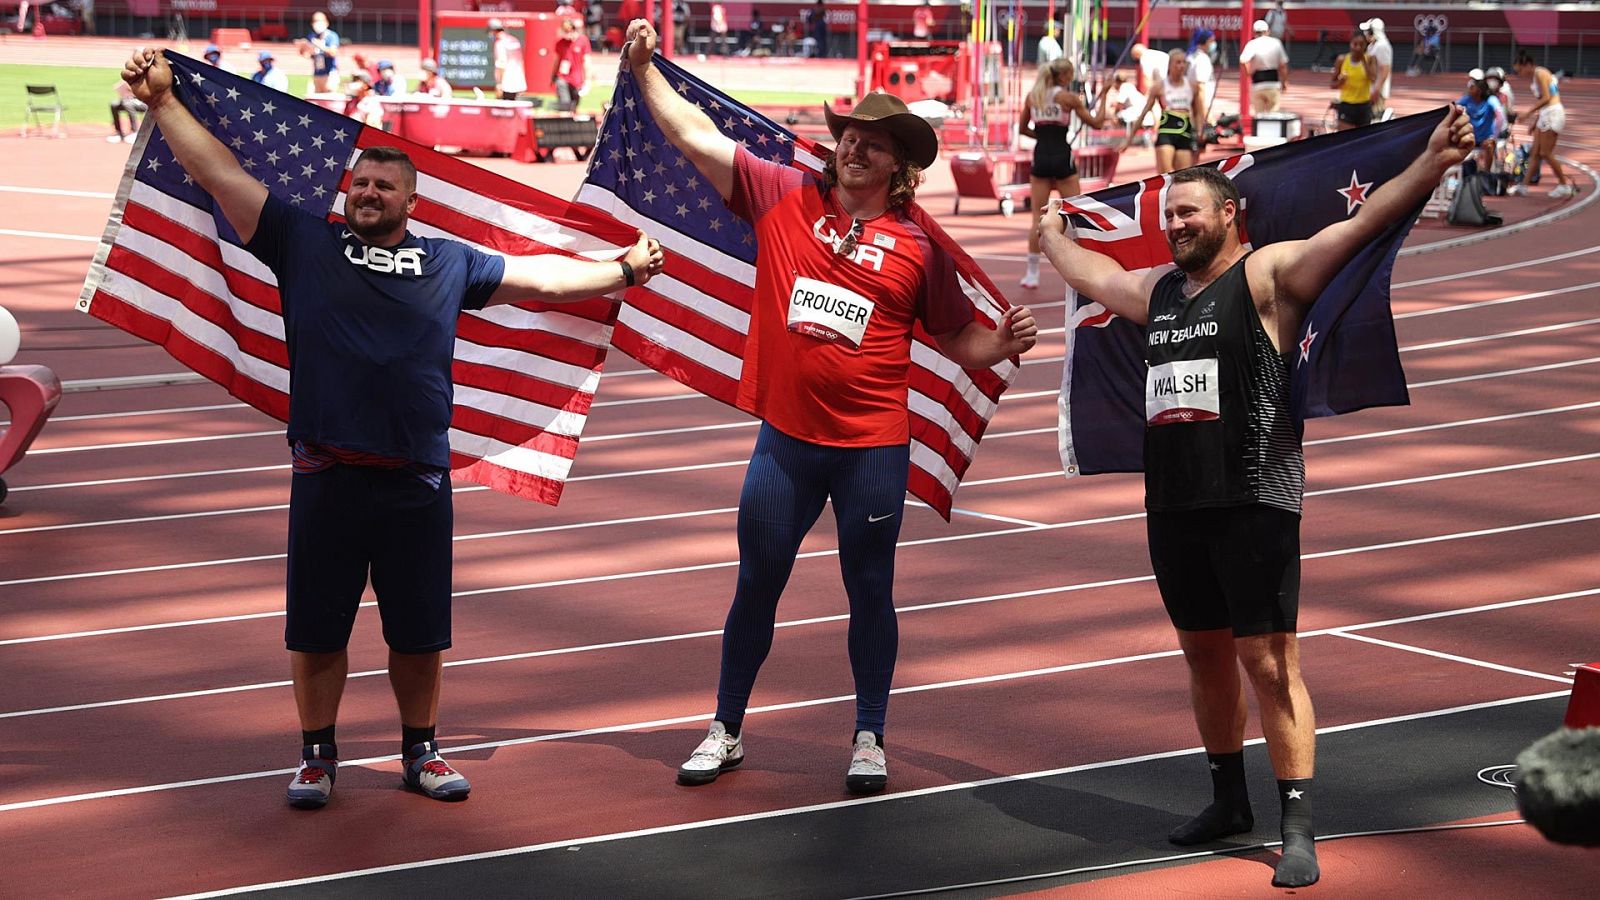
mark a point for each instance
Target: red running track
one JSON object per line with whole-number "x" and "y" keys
{"x": 150, "y": 724}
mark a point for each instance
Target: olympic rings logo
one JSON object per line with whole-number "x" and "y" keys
{"x": 1437, "y": 22}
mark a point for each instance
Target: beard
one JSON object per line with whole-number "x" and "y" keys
{"x": 386, "y": 223}
{"x": 1201, "y": 251}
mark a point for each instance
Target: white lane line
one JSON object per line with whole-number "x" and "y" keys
{"x": 1521, "y": 332}
{"x": 1445, "y": 614}
{"x": 89, "y": 417}
{"x": 55, "y": 192}
{"x": 1460, "y": 423}
{"x": 1494, "y": 270}
{"x": 777, "y": 813}
{"x": 135, "y": 479}
{"x": 51, "y": 236}
{"x": 1452, "y": 657}
{"x": 1515, "y": 298}
{"x": 163, "y": 442}
{"x": 1548, "y": 367}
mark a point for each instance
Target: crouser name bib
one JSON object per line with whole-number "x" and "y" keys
{"x": 828, "y": 312}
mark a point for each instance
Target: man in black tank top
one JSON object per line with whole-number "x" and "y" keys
{"x": 1224, "y": 471}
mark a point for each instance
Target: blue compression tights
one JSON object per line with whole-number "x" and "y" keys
{"x": 785, "y": 488}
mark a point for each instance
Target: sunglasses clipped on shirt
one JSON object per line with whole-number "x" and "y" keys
{"x": 846, "y": 245}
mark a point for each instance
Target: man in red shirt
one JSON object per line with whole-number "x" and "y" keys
{"x": 572, "y": 65}
{"x": 843, "y": 271}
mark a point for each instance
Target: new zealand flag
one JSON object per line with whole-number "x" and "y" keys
{"x": 1347, "y": 357}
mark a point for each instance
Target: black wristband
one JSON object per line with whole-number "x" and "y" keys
{"x": 627, "y": 272}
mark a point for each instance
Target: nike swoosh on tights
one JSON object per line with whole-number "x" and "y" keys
{"x": 871, "y": 519}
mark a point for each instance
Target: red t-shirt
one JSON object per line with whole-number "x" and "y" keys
{"x": 828, "y": 355}
{"x": 573, "y": 52}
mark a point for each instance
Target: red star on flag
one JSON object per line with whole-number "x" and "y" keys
{"x": 1305, "y": 345}
{"x": 1355, "y": 194}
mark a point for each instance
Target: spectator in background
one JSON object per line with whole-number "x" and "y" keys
{"x": 682, "y": 23}
{"x": 322, "y": 45}
{"x": 922, "y": 23}
{"x": 1488, "y": 119}
{"x": 213, "y": 55}
{"x": 594, "y": 21}
{"x": 361, "y": 103}
{"x": 1379, "y": 48}
{"x": 752, "y": 35}
{"x": 1152, "y": 65}
{"x": 510, "y": 74}
{"x": 817, "y": 27}
{"x": 1546, "y": 119}
{"x": 432, "y": 83}
{"x": 719, "y": 29}
{"x": 269, "y": 74}
{"x": 1266, "y": 63}
{"x": 1355, "y": 77}
{"x": 386, "y": 85}
{"x": 359, "y": 61}
{"x": 85, "y": 10}
{"x": 1125, "y": 101}
{"x": 1277, "y": 20}
{"x": 123, "y": 103}
{"x": 572, "y": 65}
{"x": 1202, "y": 43}
{"x": 1183, "y": 110}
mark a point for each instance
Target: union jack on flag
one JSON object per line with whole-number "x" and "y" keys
{"x": 690, "y": 322}
{"x": 171, "y": 270}
{"x": 1347, "y": 357}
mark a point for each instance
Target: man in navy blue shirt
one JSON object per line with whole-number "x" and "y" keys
{"x": 369, "y": 314}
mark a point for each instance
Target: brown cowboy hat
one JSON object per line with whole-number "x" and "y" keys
{"x": 890, "y": 112}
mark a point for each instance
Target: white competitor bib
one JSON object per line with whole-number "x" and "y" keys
{"x": 828, "y": 312}
{"x": 1182, "y": 391}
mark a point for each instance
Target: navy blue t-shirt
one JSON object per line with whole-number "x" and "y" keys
{"x": 371, "y": 331}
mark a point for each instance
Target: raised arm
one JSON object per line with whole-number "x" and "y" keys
{"x": 208, "y": 162}
{"x": 688, "y": 128}
{"x": 1299, "y": 270}
{"x": 1095, "y": 119}
{"x": 1338, "y": 71}
{"x": 560, "y": 279}
{"x": 1094, "y": 274}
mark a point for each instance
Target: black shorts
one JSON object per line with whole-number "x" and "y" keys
{"x": 347, "y": 520}
{"x": 1175, "y": 130}
{"x": 1053, "y": 163}
{"x": 1234, "y": 567}
{"x": 1356, "y": 114}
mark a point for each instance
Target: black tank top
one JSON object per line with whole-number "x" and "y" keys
{"x": 1218, "y": 431}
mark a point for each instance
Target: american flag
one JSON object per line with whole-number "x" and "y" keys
{"x": 690, "y": 322}
{"x": 1347, "y": 357}
{"x": 171, "y": 270}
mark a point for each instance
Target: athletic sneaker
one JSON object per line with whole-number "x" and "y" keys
{"x": 869, "y": 769}
{"x": 313, "y": 784}
{"x": 427, "y": 773}
{"x": 718, "y": 753}
{"x": 1029, "y": 280}
{"x": 1563, "y": 191}
{"x": 113, "y": 138}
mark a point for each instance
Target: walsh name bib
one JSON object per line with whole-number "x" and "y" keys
{"x": 1182, "y": 391}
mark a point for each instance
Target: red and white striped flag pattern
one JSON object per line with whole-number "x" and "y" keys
{"x": 170, "y": 269}
{"x": 690, "y": 322}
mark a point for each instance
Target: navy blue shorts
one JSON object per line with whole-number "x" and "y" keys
{"x": 348, "y": 520}
{"x": 1234, "y": 567}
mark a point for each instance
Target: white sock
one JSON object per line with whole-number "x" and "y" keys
{"x": 1033, "y": 265}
